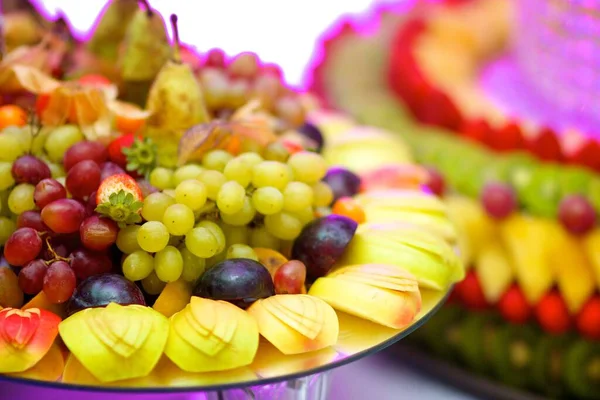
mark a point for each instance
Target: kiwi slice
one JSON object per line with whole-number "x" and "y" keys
{"x": 548, "y": 364}
{"x": 521, "y": 167}
{"x": 593, "y": 193}
{"x": 581, "y": 372}
{"x": 543, "y": 194}
{"x": 513, "y": 349}
{"x": 477, "y": 333}
{"x": 574, "y": 180}
{"x": 441, "y": 333}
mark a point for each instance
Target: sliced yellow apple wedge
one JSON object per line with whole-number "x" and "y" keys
{"x": 75, "y": 373}
{"x": 116, "y": 342}
{"x": 210, "y": 335}
{"x": 383, "y": 276}
{"x": 49, "y": 368}
{"x": 494, "y": 270}
{"x": 174, "y": 297}
{"x": 296, "y": 323}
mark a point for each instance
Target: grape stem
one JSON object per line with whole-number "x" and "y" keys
{"x": 176, "y": 42}
{"x": 55, "y": 257}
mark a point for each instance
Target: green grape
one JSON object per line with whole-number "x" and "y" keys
{"x": 250, "y": 158}
{"x": 192, "y": 193}
{"x": 11, "y": 148}
{"x": 231, "y": 197}
{"x": 260, "y": 237}
{"x": 322, "y": 194}
{"x": 56, "y": 169}
{"x": 297, "y": 196}
{"x": 267, "y": 200}
{"x": 202, "y": 242}
{"x": 239, "y": 170}
{"x": 193, "y": 266}
{"x": 179, "y": 219}
{"x": 60, "y": 139}
{"x": 271, "y": 173}
{"x": 242, "y": 217}
{"x": 308, "y": 167}
{"x": 276, "y": 151}
{"x": 22, "y": 134}
{"x": 190, "y": 171}
{"x": 6, "y": 178}
{"x": 235, "y": 234}
{"x": 216, "y": 160}
{"x": 241, "y": 251}
{"x": 39, "y": 141}
{"x": 168, "y": 264}
{"x": 216, "y": 231}
{"x": 305, "y": 215}
{"x": 283, "y": 225}
{"x": 152, "y": 285}
{"x": 155, "y": 205}
{"x": 153, "y": 236}
{"x": 138, "y": 265}
{"x": 7, "y": 227}
{"x": 213, "y": 180}
{"x": 21, "y": 198}
{"x": 162, "y": 178}
{"x": 127, "y": 239}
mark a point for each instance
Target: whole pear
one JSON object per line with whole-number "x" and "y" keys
{"x": 110, "y": 28}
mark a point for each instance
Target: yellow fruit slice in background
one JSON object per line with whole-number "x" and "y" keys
{"x": 494, "y": 270}
{"x": 591, "y": 246}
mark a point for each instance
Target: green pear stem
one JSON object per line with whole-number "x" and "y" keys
{"x": 146, "y": 5}
{"x": 176, "y": 43}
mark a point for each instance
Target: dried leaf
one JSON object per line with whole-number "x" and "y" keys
{"x": 33, "y": 80}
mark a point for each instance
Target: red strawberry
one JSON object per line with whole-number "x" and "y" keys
{"x": 587, "y": 155}
{"x": 588, "y": 319}
{"x": 514, "y": 307}
{"x": 476, "y": 130}
{"x": 119, "y": 198}
{"x": 507, "y": 138}
{"x": 115, "y": 149}
{"x": 552, "y": 313}
{"x": 546, "y": 146}
{"x": 470, "y": 293}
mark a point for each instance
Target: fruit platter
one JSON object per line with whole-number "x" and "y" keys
{"x": 175, "y": 221}
{"x": 521, "y": 184}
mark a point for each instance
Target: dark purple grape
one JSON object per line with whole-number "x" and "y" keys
{"x": 86, "y": 150}
{"x": 100, "y": 290}
{"x": 313, "y": 133}
{"x": 576, "y": 214}
{"x": 88, "y": 263}
{"x": 31, "y": 277}
{"x": 499, "y": 200}
{"x": 109, "y": 169}
{"x": 322, "y": 242}
{"x": 83, "y": 178}
{"x": 30, "y": 169}
{"x": 342, "y": 182}
{"x": 240, "y": 281}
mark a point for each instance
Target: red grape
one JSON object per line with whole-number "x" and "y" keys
{"x": 215, "y": 58}
{"x": 289, "y": 278}
{"x": 576, "y": 214}
{"x": 109, "y": 169}
{"x": 48, "y": 190}
{"x": 98, "y": 233}
{"x": 31, "y": 277}
{"x": 90, "y": 205}
{"x": 86, "y": 263}
{"x": 436, "y": 182}
{"x": 49, "y": 254}
{"x": 59, "y": 282}
{"x": 64, "y": 215}
{"x": 32, "y": 219}
{"x": 30, "y": 169}
{"x": 86, "y": 150}
{"x": 22, "y": 246}
{"x": 498, "y": 199}
{"x": 83, "y": 178}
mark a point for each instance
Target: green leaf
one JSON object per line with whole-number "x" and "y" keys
{"x": 133, "y": 219}
{"x": 128, "y": 199}
{"x": 136, "y": 206}
{"x": 114, "y": 199}
{"x": 121, "y": 196}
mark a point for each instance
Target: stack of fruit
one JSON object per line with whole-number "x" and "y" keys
{"x": 171, "y": 237}
{"x": 523, "y": 199}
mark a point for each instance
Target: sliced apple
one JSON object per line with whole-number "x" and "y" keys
{"x": 296, "y": 323}
{"x": 494, "y": 270}
{"x": 172, "y": 376}
{"x": 402, "y": 176}
{"x": 41, "y": 301}
{"x": 383, "y": 276}
{"x": 76, "y": 373}
{"x": 270, "y": 258}
{"x": 25, "y": 337}
{"x": 49, "y": 368}
{"x": 117, "y": 342}
{"x": 210, "y": 335}
{"x": 174, "y": 297}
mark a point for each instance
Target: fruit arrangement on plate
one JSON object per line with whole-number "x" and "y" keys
{"x": 523, "y": 198}
{"x": 176, "y": 219}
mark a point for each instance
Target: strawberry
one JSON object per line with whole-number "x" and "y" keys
{"x": 507, "y": 138}
{"x": 552, "y": 313}
{"x": 115, "y": 149}
{"x": 141, "y": 156}
{"x": 545, "y": 146}
{"x": 514, "y": 307}
{"x": 470, "y": 293}
{"x": 119, "y": 198}
{"x": 587, "y": 155}
{"x": 588, "y": 319}
{"x": 476, "y": 130}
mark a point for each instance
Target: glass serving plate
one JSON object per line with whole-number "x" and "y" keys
{"x": 272, "y": 375}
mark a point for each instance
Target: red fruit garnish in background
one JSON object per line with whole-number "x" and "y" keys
{"x": 436, "y": 182}
{"x": 498, "y": 199}
{"x": 470, "y": 293}
{"x": 545, "y": 145}
{"x": 576, "y": 214}
{"x": 115, "y": 149}
{"x": 94, "y": 80}
{"x": 588, "y": 319}
{"x": 476, "y": 130}
{"x": 514, "y": 307}
{"x": 41, "y": 103}
{"x": 215, "y": 58}
{"x": 587, "y": 155}
{"x": 507, "y": 138}
{"x": 552, "y": 313}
